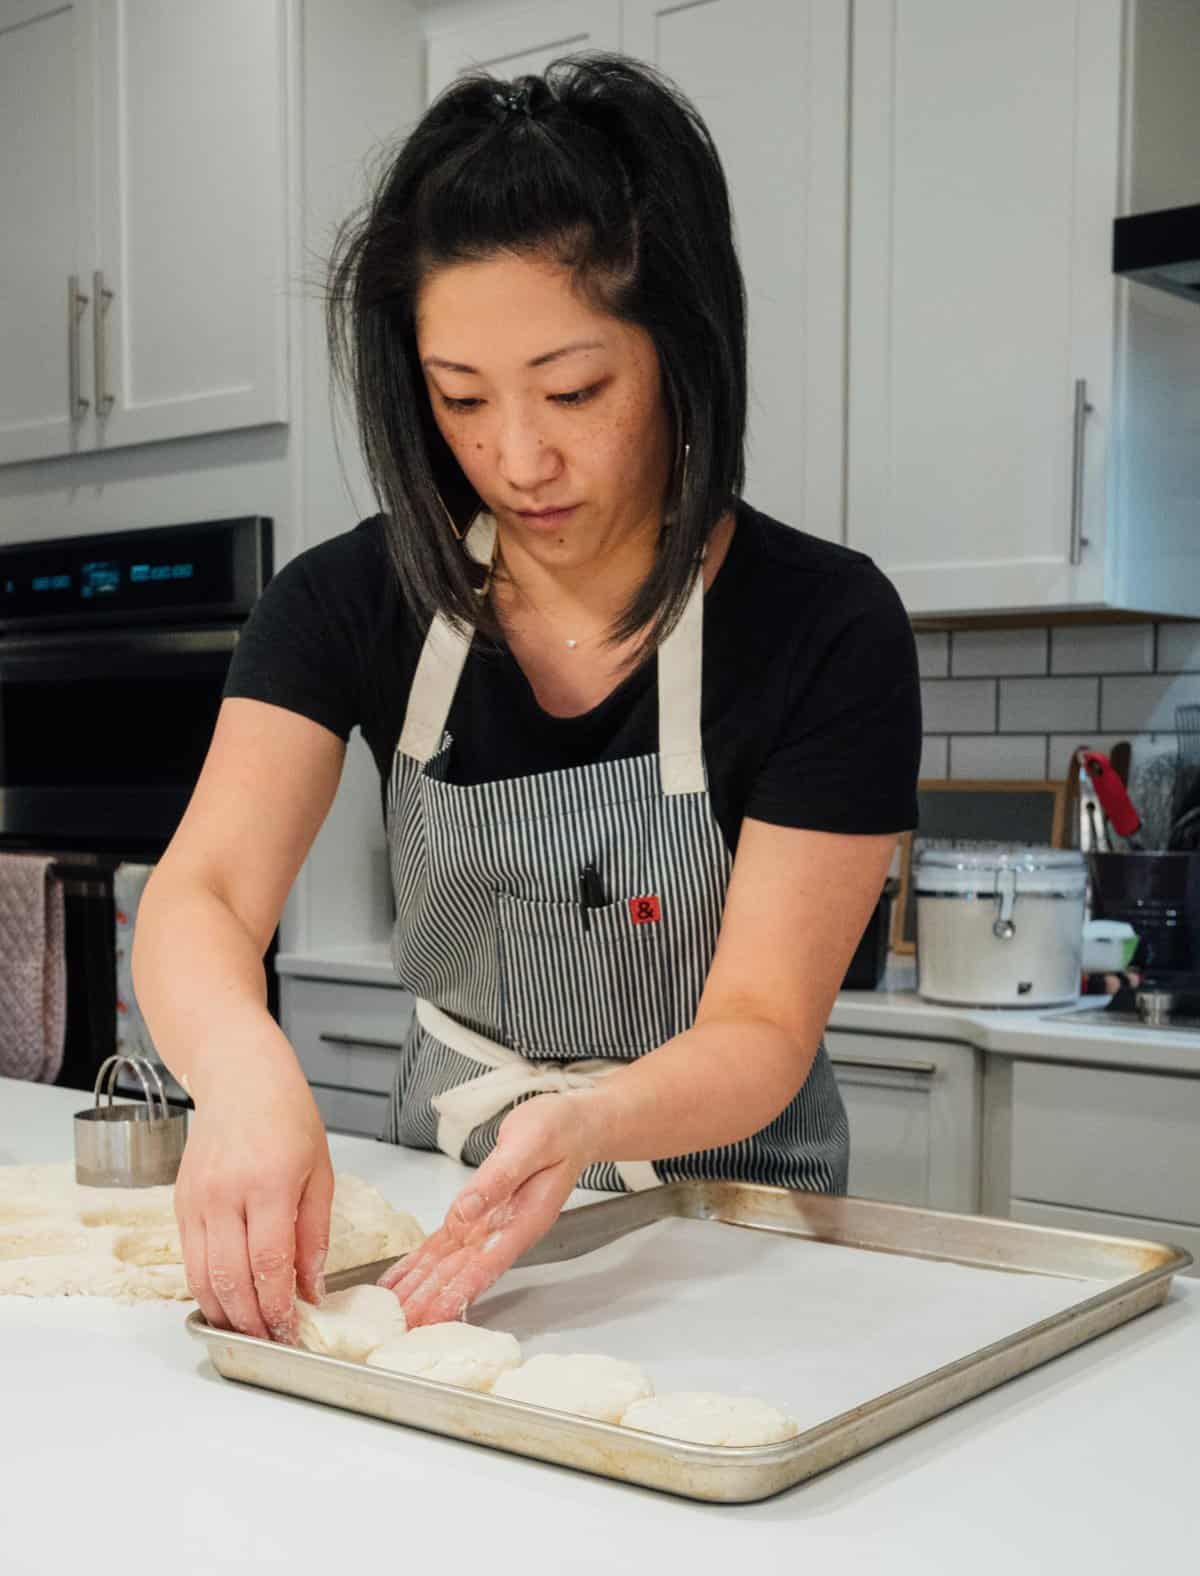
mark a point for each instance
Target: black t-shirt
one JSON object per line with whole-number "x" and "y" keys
{"x": 811, "y": 713}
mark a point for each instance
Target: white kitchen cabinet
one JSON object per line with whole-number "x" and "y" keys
{"x": 145, "y": 153}
{"x": 191, "y": 222}
{"x": 999, "y": 375}
{"x": 913, "y": 1108}
{"x": 1107, "y": 1142}
{"x": 771, "y": 80}
{"x": 47, "y": 198}
{"x": 347, "y": 1038}
{"x": 511, "y": 40}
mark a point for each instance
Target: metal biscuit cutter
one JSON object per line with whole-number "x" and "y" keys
{"x": 135, "y": 1145}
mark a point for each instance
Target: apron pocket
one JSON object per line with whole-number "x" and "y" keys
{"x": 567, "y": 992}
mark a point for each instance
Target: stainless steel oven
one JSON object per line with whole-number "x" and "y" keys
{"x": 113, "y": 653}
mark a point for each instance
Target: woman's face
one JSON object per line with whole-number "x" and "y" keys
{"x": 552, "y": 408}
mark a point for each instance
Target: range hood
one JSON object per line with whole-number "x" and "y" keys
{"x": 1161, "y": 249}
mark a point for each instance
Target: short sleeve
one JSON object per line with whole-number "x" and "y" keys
{"x": 296, "y": 652}
{"x": 846, "y": 756}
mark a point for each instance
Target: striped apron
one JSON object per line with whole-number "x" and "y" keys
{"x": 521, "y": 990}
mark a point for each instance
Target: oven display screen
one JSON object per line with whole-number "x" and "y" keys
{"x": 72, "y": 578}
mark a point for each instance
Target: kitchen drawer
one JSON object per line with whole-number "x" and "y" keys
{"x": 346, "y": 1036}
{"x": 1122, "y": 1142}
{"x": 351, "y": 1111}
{"x": 1186, "y": 1237}
{"x": 913, "y": 1109}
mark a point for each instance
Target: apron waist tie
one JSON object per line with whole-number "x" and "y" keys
{"x": 469, "y": 1105}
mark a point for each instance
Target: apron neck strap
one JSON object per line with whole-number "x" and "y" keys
{"x": 680, "y": 662}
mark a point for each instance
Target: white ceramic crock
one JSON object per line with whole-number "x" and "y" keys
{"x": 999, "y": 926}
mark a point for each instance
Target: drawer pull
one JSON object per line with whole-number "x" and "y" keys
{"x": 1083, "y": 409}
{"x": 865, "y": 1063}
{"x": 76, "y": 306}
{"x": 363, "y": 1040}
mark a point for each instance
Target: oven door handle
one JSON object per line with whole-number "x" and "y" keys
{"x": 98, "y": 653}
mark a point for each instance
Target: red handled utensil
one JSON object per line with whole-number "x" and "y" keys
{"x": 1114, "y": 799}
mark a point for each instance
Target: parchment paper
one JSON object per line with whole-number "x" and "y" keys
{"x": 813, "y": 1328}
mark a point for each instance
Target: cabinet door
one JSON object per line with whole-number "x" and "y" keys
{"x": 192, "y": 337}
{"x": 913, "y": 1108}
{"x": 47, "y": 197}
{"x": 770, "y": 79}
{"x": 983, "y": 184}
{"x": 510, "y": 41}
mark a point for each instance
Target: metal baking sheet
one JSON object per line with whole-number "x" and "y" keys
{"x": 859, "y": 1319}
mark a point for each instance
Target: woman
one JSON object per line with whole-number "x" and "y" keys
{"x": 645, "y": 751}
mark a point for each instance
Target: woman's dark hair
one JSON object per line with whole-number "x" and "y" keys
{"x": 604, "y": 165}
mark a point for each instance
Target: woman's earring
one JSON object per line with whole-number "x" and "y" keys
{"x": 458, "y": 536}
{"x": 681, "y": 468}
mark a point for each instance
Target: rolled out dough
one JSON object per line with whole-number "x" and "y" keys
{"x": 58, "y": 1239}
{"x": 460, "y": 1354}
{"x": 706, "y": 1418}
{"x": 589, "y": 1385}
{"x": 350, "y": 1323}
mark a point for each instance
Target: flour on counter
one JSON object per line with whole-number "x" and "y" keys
{"x": 58, "y": 1239}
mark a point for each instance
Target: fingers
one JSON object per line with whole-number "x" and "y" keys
{"x": 397, "y": 1272}
{"x": 229, "y": 1273}
{"x": 271, "y": 1248}
{"x": 195, "y": 1264}
{"x": 460, "y": 1279}
{"x": 405, "y": 1277}
{"x": 449, "y": 1275}
{"x": 312, "y": 1233}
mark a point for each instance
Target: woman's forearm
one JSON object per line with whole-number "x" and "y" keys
{"x": 715, "y": 1084}
{"x": 202, "y": 989}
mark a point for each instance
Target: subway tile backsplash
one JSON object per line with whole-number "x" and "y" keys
{"x": 1015, "y": 703}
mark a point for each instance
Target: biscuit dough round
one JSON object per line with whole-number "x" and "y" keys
{"x": 707, "y": 1418}
{"x": 455, "y": 1353}
{"x": 350, "y": 1323}
{"x": 591, "y": 1386}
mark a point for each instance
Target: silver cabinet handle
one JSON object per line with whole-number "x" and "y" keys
{"x": 76, "y": 307}
{"x": 103, "y": 299}
{"x": 866, "y": 1064}
{"x": 1082, "y": 411}
{"x": 358, "y": 1039}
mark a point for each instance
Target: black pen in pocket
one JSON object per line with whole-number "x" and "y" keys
{"x": 591, "y": 893}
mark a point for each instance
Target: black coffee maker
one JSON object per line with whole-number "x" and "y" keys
{"x": 1158, "y": 894}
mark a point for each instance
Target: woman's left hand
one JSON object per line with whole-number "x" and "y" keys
{"x": 509, "y": 1204}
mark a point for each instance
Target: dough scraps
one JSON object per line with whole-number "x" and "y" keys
{"x": 454, "y": 1353}
{"x": 58, "y": 1239}
{"x": 591, "y": 1386}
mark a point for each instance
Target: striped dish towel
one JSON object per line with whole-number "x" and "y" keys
{"x": 133, "y": 1036}
{"x": 33, "y": 969}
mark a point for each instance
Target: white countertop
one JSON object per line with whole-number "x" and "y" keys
{"x": 123, "y": 1449}
{"x": 895, "y": 1009}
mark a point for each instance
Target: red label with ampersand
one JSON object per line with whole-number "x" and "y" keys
{"x": 645, "y": 910}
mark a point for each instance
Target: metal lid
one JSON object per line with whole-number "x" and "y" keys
{"x": 977, "y": 869}
{"x": 999, "y": 856}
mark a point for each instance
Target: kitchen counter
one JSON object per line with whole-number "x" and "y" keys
{"x": 123, "y": 1448}
{"x": 1034, "y": 1034}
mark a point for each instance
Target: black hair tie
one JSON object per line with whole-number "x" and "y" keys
{"x": 514, "y": 101}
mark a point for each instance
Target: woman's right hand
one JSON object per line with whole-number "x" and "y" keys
{"x": 253, "y": 1199}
